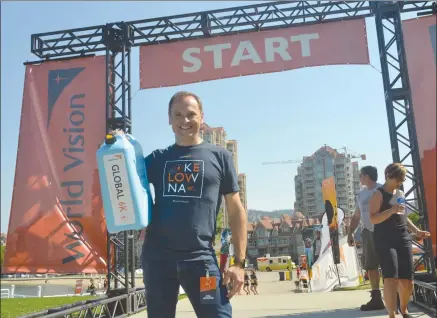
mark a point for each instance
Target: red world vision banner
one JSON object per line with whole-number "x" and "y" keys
{"x": 420, "y": 46}
{"x": 57, "y": 222}
{"x": 250, "y": 53}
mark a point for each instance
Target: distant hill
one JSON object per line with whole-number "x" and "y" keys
{"x": 255, "y": 215}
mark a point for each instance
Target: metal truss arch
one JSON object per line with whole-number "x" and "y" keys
{"x": 116, "y": 41}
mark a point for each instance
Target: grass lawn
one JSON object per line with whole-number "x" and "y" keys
{"x": 15, "y": 307}
{"x": 365, "y": 286}
{"x": 361, "y": 287}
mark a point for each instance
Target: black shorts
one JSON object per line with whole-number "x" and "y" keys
{"x": 396, "y": 256}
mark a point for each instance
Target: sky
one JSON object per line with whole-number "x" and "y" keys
{"x": 278, "y": 116}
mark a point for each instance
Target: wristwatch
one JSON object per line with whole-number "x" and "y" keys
{"x": 240, "y": 263}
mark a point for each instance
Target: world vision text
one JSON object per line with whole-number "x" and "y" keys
{"x": 73, "y": 189}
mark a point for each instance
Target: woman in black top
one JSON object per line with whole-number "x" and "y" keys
{"x": 246, "y": 283}
{"x": 393, "y": 242}
{"x": 253, "y": 282}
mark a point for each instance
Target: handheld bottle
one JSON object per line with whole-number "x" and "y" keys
{"x": 123, "y": 184}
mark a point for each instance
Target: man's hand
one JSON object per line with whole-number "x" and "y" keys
{"x": 116, "y": 132}
{"x": 350, "y": 240}
{"x": 422, "y": 234}
{"x": 235, "y": 277}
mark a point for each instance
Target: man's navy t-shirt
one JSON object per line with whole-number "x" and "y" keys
{"x": 189, "y": 182}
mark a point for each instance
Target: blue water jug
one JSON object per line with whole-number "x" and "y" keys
{"x": 141, "y": 170}
{"x": 140, "y": 162}
{"x": 123, "y": 182}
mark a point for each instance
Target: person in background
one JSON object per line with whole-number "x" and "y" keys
{"x": 253, "y": 282}
{"x": 309, "y": 252}
{"x": 368, "y": 179}
{"x": 393, "y": 241}
{"x": 92, "y": 287}
{"x": 224, "y": 249}
{"x": 246, "y": 283}
{"x": 317, "y": 246}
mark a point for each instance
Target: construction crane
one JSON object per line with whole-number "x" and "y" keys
{"x": 347, "y": 152}
{"x": 353, "y": 155}
{"x": 281, "y": 162}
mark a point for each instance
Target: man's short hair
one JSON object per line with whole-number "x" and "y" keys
{"x": 370, "y": 171}
{"x": 183, "y": 94}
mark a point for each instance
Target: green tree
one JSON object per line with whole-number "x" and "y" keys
{"x": 415, "y": 218}
{"x": 219, "y": 225}
{"x": 2, "y": 255}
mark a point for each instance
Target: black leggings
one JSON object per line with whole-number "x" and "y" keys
{"x": 395, "y": 256}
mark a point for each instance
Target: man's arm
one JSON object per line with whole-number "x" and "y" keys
{"x": 238, "y": 223}
{"x": 237, "y": 216}
{"x": 355, "y": 220}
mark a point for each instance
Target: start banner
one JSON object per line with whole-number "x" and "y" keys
{"x": 217, "y": 57}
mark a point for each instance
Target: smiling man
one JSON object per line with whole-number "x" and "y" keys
{"x": 190, "y": 177}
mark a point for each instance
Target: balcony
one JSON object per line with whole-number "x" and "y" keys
{"x": 340, "y": 161}
{"x": 341, "y": 181}
{"x": 252, "y": 252}
{"x": 284, "y": 241}
{"x": 262, "y": 242}
{"x": 280, "y": 241}
{"x": 251, "y": 244}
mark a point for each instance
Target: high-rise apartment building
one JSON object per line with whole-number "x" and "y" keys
{"x": 214, "y": 135}
{"x": 242, "y": 186}
{"x": 324, "y": 163}
{"x": 217, "y": 136}
{"x": 356, "y": 177}
{"x": 232, "y": 147}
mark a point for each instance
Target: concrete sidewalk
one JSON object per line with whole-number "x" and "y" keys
{"x": 318, "y": 305}
{"x": 277, "y": 300}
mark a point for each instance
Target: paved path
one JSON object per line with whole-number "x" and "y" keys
{"x": 278, "y": 300}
